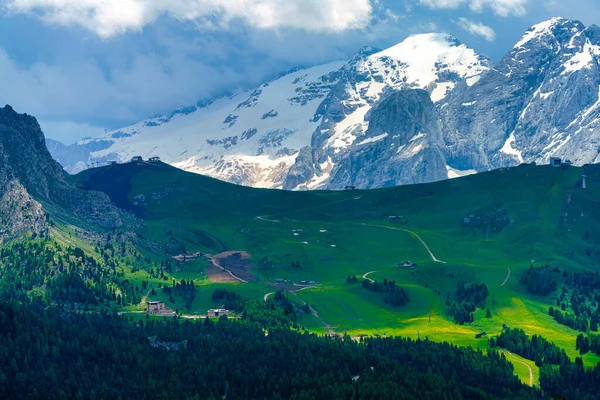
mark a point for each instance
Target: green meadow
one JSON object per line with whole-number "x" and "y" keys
{"x": 328, "y": 236}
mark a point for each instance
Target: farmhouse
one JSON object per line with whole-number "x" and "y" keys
{"x": 137, "y": 159}
{"x": 185, "y": 257}
{"x": 555, "y": 161}
{"x": 159, "y": 308}
{"x": 217, "y": 312}
{"x": 407, "y": 264}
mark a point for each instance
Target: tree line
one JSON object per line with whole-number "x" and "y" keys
{"x": 53, "y": 354}
{"x": 577, "y": 295}
{"x": 467, "y": 298}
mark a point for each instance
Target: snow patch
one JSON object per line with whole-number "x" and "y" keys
{"x": 473, "y": 80}
{"x": 374, "y": 139}
{"x": 345, "y": 131}
{"x": 582, "y": 60}
{"x": 417, "y": 136}
{"x": 543, "y": 28}
{"x": 456, "y": 173}
{"x": 510, "y": 150}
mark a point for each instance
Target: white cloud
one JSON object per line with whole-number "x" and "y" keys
{"x": 500, "y": 7}
{"x": 477, "y": 28}
{"x": 443, "y": 4}
{"x": 111, "y": 17}
{"x": 69, "y": 131}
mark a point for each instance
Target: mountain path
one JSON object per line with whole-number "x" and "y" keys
{"x": 266, "y": 296}
{"x": 328, "y": 328}
{"x": 528, "y": 367}
{"x": 433, "y": 257}
{"x": 143, "y": 301}
{"x": 507, "y": 276}
{"x": 365, "y": 276}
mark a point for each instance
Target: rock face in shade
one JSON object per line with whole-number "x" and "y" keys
{"x": 541, "y": 100}
{"x": 30, "y": 180}
{"x": 402, "y": 145}
{"x": 359, "y": 122}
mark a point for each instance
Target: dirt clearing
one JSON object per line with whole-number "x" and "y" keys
{"x": 236, "y": 264}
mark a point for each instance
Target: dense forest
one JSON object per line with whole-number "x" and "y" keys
{"x": 560, "y": 378}
{"x": 58, "y": 274}
{"x": 577, "y": 295}
{"x": 588, "y": 343}
{"x": 51, "y": 354}
{"x": 534, "y": 348}
{"x": 393, "y": 294}
{"x": 467, "y": 298}
{"x": 57, "y": 345}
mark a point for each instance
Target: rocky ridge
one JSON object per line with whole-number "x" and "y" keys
{"x": 352, "y": 123}
{"x": 31, "y": 182}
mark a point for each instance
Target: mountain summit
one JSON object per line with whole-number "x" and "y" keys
{"x": 32, "y": 183}
{"x": 349, "y": 123}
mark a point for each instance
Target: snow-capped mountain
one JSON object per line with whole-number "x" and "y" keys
{"x": 426, "y": 109}
{"x": 250, "y": 138}
{"x": 540, "y": 100}
{"x": 435, "y": 63}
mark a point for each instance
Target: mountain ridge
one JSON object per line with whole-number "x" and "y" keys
{"x": 300, "y": 131}
{"x": 33, "y": 185}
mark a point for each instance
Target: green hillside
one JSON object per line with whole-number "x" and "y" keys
{"x": 487, "y": 228}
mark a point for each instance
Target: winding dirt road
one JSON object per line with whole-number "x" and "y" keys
{"x": 528, "y": 367}
{"x": 506, "y": 280}
{"x": 266, "y": 296}
{"x": 367, "y": 274}
{"x": 433, "y": 257}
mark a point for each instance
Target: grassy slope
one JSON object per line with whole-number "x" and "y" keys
{"x": 324, "y": 231}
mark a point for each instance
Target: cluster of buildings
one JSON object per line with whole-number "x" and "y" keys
{"x": 407, "y": 264}
{"x": 395, "y": 218}
{"x": 154, "y": 159}
{"x": 309, "y": 282}
{"x": 558, "y": 162}
{"x": 217, "y": 312}
{"x": 159, "y": 308}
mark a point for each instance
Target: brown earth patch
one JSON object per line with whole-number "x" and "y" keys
{"x": 217, "y": 275}
{"x": 235, "y": 263}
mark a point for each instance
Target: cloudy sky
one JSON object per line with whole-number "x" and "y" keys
{"x": 83, "y": 66}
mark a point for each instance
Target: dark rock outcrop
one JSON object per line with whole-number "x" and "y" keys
{"x": 32, "y": 182}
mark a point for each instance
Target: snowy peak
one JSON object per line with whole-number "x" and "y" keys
{"x": 434, "y": 62}
{"x": 557, "y": 28}
{"x": 425, "y": 109}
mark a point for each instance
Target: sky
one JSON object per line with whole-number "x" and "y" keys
{"x": 85, "y": 66}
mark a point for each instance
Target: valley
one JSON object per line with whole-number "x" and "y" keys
{"x": 325, "y": 237}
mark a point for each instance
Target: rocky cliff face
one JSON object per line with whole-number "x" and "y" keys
{"x": 351, "y": 122}
{"x": 31, "y": 178}
{"x": 434, "y": 63}
{"x": 540, "y": 100}
{"x": 402, "y": 145}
